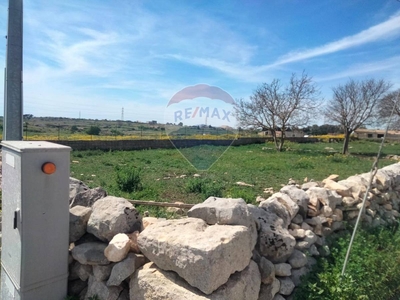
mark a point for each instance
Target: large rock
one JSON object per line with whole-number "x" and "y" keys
{"x": 102, "y": 273}
{"x": 297, "y": 260}
{"x": 113, "y": 215}
{"x": 90, "y": 253}
{"x": 118, "y": 248}
{"x": 100, "y": 289}
{"x": 287, "y": 286}
{"x": 75, "y": 187}
{"x": 337, "y": 187}
{"x": 326, "y": 197}
{"x": 273, "y": 206}
{"x": 152, "y": 283}
{"x": 147, "y": 221}
{"x": 267, "y": 270}
{"x": 87, "y": 197}
{"x": 274, "y": 241}
{"x": 284, "y": 199}
{"x": 77, "y": 270}
{"x": 134, "y": 247}
{"x": 75, "y": 287}
{"x": 205, "y": 256}
{"x": 78, "y": 219}
{"x": 299, "y": 196}
{"x": 268, "y": 291}
{"x": 125, "y": 268}
{"x": 297, "y": 275}
{"x": 283, "y": 269}
{"x": 224, "y": 211}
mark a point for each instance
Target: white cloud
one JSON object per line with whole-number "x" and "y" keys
{"x": 385, "y": 30}
{"x": 362, "y": 69}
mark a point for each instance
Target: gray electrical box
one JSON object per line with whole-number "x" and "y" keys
{"x": 34, "y": 258}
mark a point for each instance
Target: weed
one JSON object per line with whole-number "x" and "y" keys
{"x": 205, "y": 187}
{"x": 372, "y": 272}
{"x": 304, "y": 163}
{"x": 128, "y": 179}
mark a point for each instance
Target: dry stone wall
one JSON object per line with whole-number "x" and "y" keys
{"x": 224, "y": 248}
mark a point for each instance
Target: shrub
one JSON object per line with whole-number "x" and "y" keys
{"x": 128, "y": 179}
{"x": 93, "y": 130}
{"x": 74, "y": 128}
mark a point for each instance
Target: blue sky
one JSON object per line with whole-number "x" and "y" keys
{"x": 95, "y": 57}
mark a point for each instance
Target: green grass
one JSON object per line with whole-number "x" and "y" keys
{"x": 371, "y": 274}
{"x": 259, "y": 165}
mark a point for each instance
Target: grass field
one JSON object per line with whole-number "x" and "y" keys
{"x": 165, "y": 175}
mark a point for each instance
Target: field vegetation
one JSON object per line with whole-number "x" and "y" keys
{"x": 165, "y": 175}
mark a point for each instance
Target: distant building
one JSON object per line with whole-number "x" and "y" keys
{"x": 154, "y": 122}
{"x": 289, "y": 133}
{"x": 376, "y": 134}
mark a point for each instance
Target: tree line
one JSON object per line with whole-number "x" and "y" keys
{"x": 276, "y": 107}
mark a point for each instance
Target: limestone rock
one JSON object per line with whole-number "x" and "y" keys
{"x": 76, "y": 186}
{"x": 263, "y": 217}
{"x": 278, "y": 297}
{"x": 152, "y": 283}
{"x": 287, "y": 286}
{"x": 100, "y": 288}
{"x": 78, "y": 219}
{"x": 298, "y": 233}
{"x": 274, "y": 207}
{"x": 88, "y": 197}
{"x": 222, "y": 211}
{"x": 102, "y": 273}
{"x": 298, "y": 219}
{"x": 90, "y": 253}
{"x": 350, "y": 201}
{"x": 267, "y": 270}
{"x": 337, "y": 215}
{"x": 333, "y": 177}
{"x": 268, "y": 291}
{"x": 298, "y": 196}
{"x": 205, "y": 256}
{"x": 75, "y": 287}
{"x": 305, "y": 226}
{"x": 124, "y": 295}
{"x": 134, "y": 247}
{"x": 274, "y": 241}
{"x": 283, "y": 269}
{"x": 112, "y": 215}
{"x": 118, "y": 248}
{"x": 297, "y": 260}
{"x": 77, "y": 270}
{"x": 284, "y": 199}
{"x": 337, "y": 187}
{"x": 147, "y": 221}
{"x": 297, "y": 274}
{"x": 125, "y": 268}
{"x": 326, "y": 211}
{"x": 326, "y": 197}
{"x": 308, "y": 185}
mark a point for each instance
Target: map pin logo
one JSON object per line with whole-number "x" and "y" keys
{"x": 200, "y": 123}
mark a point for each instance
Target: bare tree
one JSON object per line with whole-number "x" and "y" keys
{"x": 275, "y": 108}
{"x": 391, "y": 102}
{"x": 354, "y": 104}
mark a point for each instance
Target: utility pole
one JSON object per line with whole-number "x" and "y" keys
{"x": 122, "y": 114}
{"x": 12, "y": 123}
